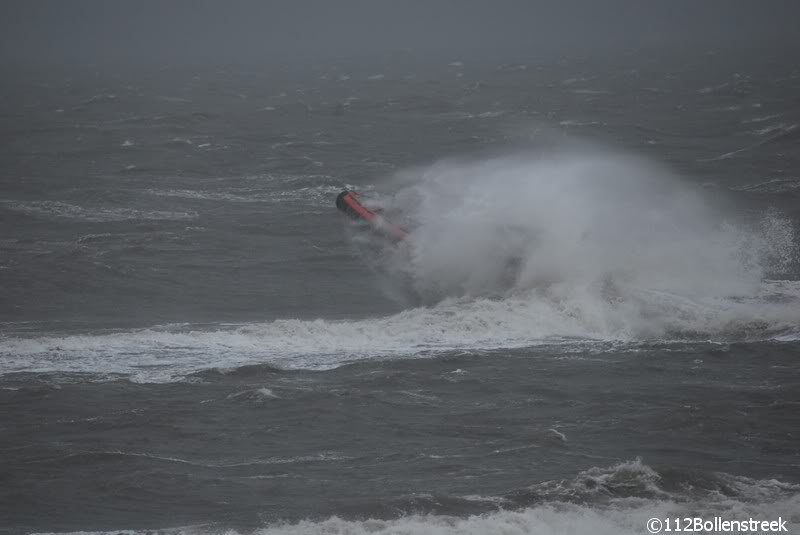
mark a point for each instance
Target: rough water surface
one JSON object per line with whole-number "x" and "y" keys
{"x": 594, "y": 321}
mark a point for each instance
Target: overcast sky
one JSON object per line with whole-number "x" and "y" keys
{"x": 198, "y": 30}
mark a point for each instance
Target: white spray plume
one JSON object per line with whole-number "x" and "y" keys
{"x": 618, "y": 243}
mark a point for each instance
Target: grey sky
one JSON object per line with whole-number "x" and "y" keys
{"x": 199, "y": 30}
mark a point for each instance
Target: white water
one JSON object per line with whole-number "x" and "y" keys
{"x": 593, "y": 244}
{"x": 599, "y": 509}
{"x": 164, "y": 353}
{"x": 563, "y": 222}
{"x": 507, "y": 252}
{"x": 626, "y": 516}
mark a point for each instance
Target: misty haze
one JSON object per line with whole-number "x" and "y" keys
{"x": 399, "y": 267}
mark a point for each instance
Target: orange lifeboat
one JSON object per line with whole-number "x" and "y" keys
{"x": 348, "y": 202}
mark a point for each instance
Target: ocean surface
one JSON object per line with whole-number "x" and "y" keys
{"x": 594, "y": 321}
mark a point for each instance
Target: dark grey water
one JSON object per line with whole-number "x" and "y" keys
{"x": 594, "y": 322}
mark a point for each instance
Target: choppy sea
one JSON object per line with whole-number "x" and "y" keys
{"x": 594, "y": 321}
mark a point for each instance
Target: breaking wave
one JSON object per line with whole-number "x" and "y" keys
{"x": 605, "y": 245}
{"x": 614, "y": 500}
{"x": 553, "y": 251}
{"x": 165, "y": 353}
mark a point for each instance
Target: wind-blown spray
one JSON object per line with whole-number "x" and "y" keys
{"x": 612, "y": 245}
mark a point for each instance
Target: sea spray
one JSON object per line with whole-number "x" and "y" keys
{"x": 618, "y": 244}
{"x": 552, "y": 250}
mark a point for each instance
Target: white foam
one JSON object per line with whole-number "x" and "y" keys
{"x": 762, "y": 118}
{"x": 258, "y": 394}
{"x": 623, "y": 516}
{"x": 600, "y": 237}
{"x": 568, "y": 251}
{"x": 711, "y": 89}
{"x": 782, "y": 127}
{"x": 562, "y": 518}
{"x": 611, "y": 500}
{"x": 620, "y": 499}
{"x": 165, "y": 353}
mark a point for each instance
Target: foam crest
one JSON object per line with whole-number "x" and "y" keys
{"x": 547, "y": 519}
{"x": 616, "y": 499}
{"x": 633, "y": 492}
{"x": 556, "y": 250}
{"x": 164, "y": 353}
